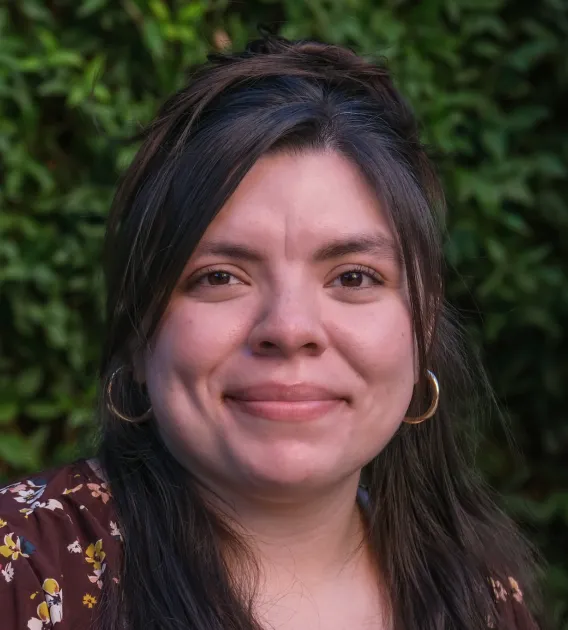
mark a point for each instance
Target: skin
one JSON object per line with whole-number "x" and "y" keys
{"x": 293, "y": 313}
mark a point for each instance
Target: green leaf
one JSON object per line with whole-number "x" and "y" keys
{"x": 154, "y": 39}
{"x": 20, "y": 451}
{"x": 29, "y": 381}
{"x": 191, "y": 12}
{"x": 89, "y": 7}
{"x": 8, "y": 412}
{"x": 43, "y": 410}
{"x": 65, "y": 58}
{"x": 551, "y": 165}
{"x": 30, "y": 64}
{"x": 516, "y": 223}
{"x": 80, "y": 418}
{"x": 94, "y": 70}
{"x": 529, "y": 54}
{"x": 160, "y": 10}
{"x": 36, "y": 10}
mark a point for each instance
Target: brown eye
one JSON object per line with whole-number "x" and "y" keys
{"x": 217, "y": 278}
{"x": 358, "y": 278}
{"x": 213, "y": 278}
{"x": 351, "y": 279}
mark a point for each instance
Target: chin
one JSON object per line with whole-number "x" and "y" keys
{"x": 286, "y": 472}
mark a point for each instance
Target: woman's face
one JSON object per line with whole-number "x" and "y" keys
{"x": 285, "y": 358}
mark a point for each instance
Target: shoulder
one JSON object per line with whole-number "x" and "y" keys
{"x": 70, "y": 501}
{"x": 58, "y": 535}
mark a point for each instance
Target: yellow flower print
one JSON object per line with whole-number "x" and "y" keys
{"x": 517, "y": 593}
{"x": 95, "y": 555}
{"x": 89, "y": 600}
{"x": 2, "y": 523}
{"x": 71, "y": 490}
{"x": 43, "y": 618}
{"x": 12, "y": 548}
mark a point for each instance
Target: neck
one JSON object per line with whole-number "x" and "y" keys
{"x": 311, "y": 538}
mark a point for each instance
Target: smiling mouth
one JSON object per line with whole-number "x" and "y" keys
{"x": 285, "y": 403}
{"x": 285, "y": 410}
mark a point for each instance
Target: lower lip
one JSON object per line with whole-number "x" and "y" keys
{"x": 286, "y": 411}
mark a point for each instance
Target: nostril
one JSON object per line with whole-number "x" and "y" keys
{"x": 267, "y": 345}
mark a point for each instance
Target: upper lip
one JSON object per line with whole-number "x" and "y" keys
{"x": 281, "y": 392}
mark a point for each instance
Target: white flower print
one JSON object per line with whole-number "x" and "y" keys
{"x": 74, "y": 547}
{"x": 96, "y": 578}
{"x": 114, "y": 531}
{"x": 27, "y": 492}
{"x": 8, "y": 572}
{"x": 52, "y": 504}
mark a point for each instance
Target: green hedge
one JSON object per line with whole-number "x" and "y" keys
{"x": 488, "y": 79}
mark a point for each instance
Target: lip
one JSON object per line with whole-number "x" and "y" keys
{"x": 280, "y": 402}
{"x": 298, "y": 392}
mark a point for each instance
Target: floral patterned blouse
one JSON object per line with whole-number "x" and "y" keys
{"x": 59, "y": 539}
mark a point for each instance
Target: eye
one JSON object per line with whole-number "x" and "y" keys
{"x": 358, "y": 278}
{"x": 216, "y": 278}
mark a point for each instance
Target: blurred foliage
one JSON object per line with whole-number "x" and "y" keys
{"x": 488, "y": 79}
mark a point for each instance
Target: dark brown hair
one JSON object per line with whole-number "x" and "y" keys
{"x": 438, "y": 535}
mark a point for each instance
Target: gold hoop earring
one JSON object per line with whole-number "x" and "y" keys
{"x": 111, "y": 406}
{"x": 433, "y": 407}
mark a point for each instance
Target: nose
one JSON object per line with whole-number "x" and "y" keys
{"x": 290, "y": 324}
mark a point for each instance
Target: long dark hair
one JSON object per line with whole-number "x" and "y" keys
{"x": 438, "y": 536}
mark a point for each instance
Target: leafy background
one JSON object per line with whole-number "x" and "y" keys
{"x": 488, "y": 79}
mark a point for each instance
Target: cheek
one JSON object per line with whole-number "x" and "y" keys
{"x": 186, "y": 358}
{"x": 378, "y": 341}
{"x": 195, "y": 339}
{"x": 189, "y": 350}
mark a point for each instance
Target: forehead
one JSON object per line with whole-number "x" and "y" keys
{"x": 297, "y": 201}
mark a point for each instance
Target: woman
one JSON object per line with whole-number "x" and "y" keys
{"x": 285, "y": 398}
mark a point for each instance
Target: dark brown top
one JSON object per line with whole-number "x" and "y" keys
{"x": 59, "y": 540}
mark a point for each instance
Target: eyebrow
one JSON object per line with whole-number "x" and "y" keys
{"x": 230, "y": 250}
{"x": 376, "y": 244}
